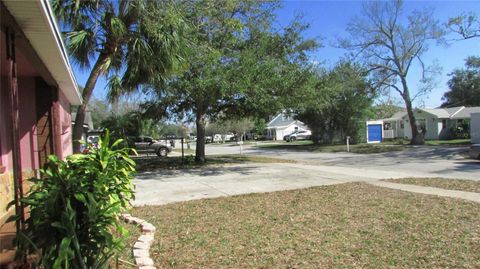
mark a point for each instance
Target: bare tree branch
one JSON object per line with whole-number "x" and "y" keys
{"x": 389, "y": 45}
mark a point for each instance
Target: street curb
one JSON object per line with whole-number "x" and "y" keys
{"x": 141, "y": 248}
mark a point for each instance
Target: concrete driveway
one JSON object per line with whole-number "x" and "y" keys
{"x": 313, "y": 169}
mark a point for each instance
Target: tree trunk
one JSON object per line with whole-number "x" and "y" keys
{"x": 200, "y": 149}
{"x": 417, "y": 138}
{"x": 86, "y": 94}
{"x": 316, "y": 135}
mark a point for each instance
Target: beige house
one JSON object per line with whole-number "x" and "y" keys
{"x": 436, "y": 123}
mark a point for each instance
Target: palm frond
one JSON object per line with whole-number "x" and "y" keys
{"x": 117, "y": 27}
{"x": 81, "y": 45}
{"x": 114, "y": 88}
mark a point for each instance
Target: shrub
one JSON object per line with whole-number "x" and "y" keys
{"x": 74, "y": 207}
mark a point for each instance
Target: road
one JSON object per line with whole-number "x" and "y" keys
{"x": 429, "y": 161}
{"x": 312, "y": 169}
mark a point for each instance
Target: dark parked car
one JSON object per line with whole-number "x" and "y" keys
{"x": 147, "y": 144}
{"x": 475, "y": 151}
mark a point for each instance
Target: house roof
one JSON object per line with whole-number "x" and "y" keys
{"x": 459, "y": 112}
{"x": 279, "y": 121}
{"x": 37, "y": 22}
{"x": 398, "y": 115}
{"x": 465, "y": 112}
{"x": 439, "y": 112}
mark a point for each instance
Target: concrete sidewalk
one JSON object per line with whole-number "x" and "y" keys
{"x": 162, "y": 187}
{"x": 470, "y": 196}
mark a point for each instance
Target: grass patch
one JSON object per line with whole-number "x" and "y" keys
{"x": 353, "y": 225}
{"x": 152, "y": 163}
{"x": 309, "y": 146}
{"x": 453, "y": 142}
{"x": 444, "y": 183}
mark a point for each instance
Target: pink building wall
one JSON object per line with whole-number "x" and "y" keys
{"x": 28, "y": 121}
{"x": 27, "y": 128}
{"x": 65, "y": 120}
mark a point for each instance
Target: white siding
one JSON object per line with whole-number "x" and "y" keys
{"x": 475, "y": 128}
{"x": 281, "y": 132}
{"x": 431, "y": 124}
{"x": 432, "y": 130}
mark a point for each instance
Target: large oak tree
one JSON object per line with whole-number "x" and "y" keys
{"x": 241, "y": 65}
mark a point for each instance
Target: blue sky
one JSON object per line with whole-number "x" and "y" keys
{"x": 328, "y": 19}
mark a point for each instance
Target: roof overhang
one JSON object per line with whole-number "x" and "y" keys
{"x": 37, "y": 22}
{"x": 390, "y": 119}
{"x": 297, "y": 122}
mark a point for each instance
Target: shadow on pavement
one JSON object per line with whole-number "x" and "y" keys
{"x": 202, "y": 171}
{"x": 464, "y": 166}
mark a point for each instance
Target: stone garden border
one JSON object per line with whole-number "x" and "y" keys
{"x": 141, "y": 248}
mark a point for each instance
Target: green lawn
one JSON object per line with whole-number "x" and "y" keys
{"x": 453, "y": 142}
{"x": 309, "y": 146}
{"x": 353, "y": 225}
{"x": 444, "y": 183}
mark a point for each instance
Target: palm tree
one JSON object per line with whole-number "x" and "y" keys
{"x": 130, "y": 42}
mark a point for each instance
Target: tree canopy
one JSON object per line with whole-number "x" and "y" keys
{"x": 337, "y": 103}
{"x": 464, "y": 85}
{"x": 241, "y": 65}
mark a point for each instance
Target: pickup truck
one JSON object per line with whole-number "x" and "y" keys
{"x": 145, "y": 144}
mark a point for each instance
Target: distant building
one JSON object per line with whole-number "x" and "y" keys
{"x": 283, "y": 124}
{"x": 87, "y": 124}
{"x": 435, "y": 123}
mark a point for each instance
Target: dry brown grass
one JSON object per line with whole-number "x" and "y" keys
{"x": 351, "y": 225}
{"x": 443, "y": 183}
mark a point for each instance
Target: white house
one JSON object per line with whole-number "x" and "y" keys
{"x": 283, "y": 124}
{"x": 436, "y": 123}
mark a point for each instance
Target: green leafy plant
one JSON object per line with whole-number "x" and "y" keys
{"x": 75, "y": 206}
